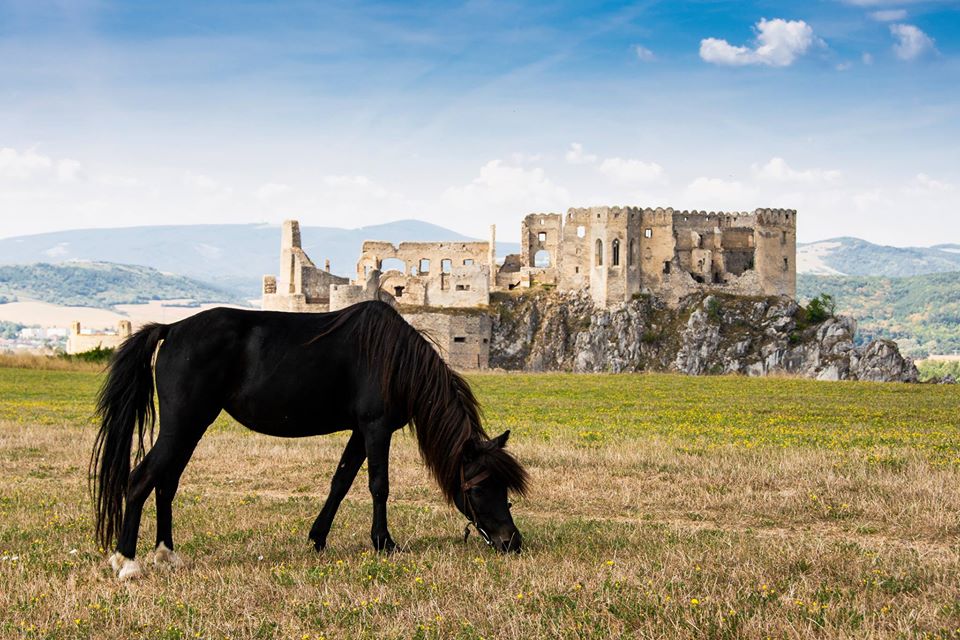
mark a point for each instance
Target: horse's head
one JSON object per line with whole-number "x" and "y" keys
{"x": 488, "y": 474}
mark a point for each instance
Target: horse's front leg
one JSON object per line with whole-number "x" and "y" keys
{"x": 377, "y": 442}
{"x": 343, "y": 478}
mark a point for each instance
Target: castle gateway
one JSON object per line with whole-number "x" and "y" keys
{"x": 614, "y": 253}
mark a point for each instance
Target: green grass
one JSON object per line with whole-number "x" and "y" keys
{"x": 662, "y": 506}
{"x": 715, "y": 411}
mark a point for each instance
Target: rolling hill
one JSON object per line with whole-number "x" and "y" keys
{"x": 103, "y": 285}
{"x": 233, "y": 257}
{"x": 856, "y": 257}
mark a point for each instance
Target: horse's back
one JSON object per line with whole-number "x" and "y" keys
{"x": 266, "y": 368}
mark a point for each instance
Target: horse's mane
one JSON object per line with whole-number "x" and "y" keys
{"x": 415, "y": 381}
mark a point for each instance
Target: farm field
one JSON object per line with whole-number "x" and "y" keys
{"x": 662, "y": 506}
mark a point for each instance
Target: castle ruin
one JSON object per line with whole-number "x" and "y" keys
{"x": 614, "y": 253}
{"x": 80, "y": 340}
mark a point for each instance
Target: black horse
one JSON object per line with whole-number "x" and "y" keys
{"x": 363, "y": 369}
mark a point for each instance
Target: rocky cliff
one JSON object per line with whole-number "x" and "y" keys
{"x": 540, "y": 330}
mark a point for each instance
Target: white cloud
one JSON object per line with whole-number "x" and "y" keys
{"x": 889, "y": 15}
{"x": 777, "y": 170}
{"x": 346, "y": 181}
{"x": 525, "y": 158}
{"x": 30, "y": 165}
{"x": 271, "y": 190}
{"x": 779, "y": 43}
{"x": 630, "y": 171}
{"x": 911, "y": 41}
{"x": 846, "y": 65}
{"x": 124, "y": 182}
{"x": 21, "y": 166}
{"x": 68, "y": 170}
{"x": 867, "y": 58}
{"x": 210, "y": 188}
{"x": 717, "y": 194}
{"x": 644, "y": 54}
{"x": 576, "y": 155}
{"x": 515, "y": 190}
{"x": 924, "y": 183}
{"x": 200, "y": 182}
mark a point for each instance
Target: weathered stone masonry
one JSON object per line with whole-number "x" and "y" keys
{"x": 617, "y": 253}
{"x": 614, "y": 253}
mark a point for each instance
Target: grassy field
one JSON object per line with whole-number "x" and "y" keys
{"x": 662, "y": 506}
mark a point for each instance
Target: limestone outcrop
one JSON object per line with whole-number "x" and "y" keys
{"x": 542, "y": 330}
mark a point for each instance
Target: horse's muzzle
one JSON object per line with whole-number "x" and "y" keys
{"x": 511, "y": 542}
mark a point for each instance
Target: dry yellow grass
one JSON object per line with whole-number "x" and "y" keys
{"x": 48, "y": 363}
{"x": 630, "y": 532}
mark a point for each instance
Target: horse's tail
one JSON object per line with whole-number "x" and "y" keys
{"x": 125, "y": 404}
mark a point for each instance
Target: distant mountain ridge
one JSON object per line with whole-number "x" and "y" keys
{"x": 103, "y": 285}
{"x": 233, "y": 256}
{"x": 856, "y": 257}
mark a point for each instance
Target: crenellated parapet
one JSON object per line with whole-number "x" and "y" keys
{"x": 786, "y": 218}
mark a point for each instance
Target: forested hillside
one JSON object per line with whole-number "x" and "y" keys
{"x": 101, "y": 284}
{"x": 922, "y": 313}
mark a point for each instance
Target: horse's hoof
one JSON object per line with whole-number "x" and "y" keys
{"x": 319, "y": 545}
{"x": 167, "y": 556}
{"x": 126, "y": 568}
{"x": 385, "y": 545}
{"x": 116, "y": 561}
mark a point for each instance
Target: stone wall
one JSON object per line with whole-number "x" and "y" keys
{"x": 619, "y": 252}
{"x": 462, "y": 338}
{"x": 300, "y": 284}
{"x": 431, "y": 274}
{"x": 80, "y": 341}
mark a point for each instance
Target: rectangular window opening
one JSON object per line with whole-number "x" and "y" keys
{"x": 459, "y": 339}
{"x": 648, "y": 233}
{"x": 542, "y": 236}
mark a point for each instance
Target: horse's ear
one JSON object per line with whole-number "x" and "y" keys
{"x": 501, "y": 440}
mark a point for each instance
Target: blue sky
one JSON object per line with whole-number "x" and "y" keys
{"x": 466, "y": 114}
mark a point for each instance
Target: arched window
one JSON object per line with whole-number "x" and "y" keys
{"x": 599, "y": 252}
{"x": 632, "y": 253}
{"x": 615, "y": 247}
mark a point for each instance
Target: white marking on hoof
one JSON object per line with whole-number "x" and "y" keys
{"x": 167, "y": 556}
{"x": 126, "y": 568}
{"x": 116, "y": 561}
{"x": 130, "y": 570}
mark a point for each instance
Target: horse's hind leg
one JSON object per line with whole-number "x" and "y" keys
{"x": 160, "y": 469}
{"x": 166, "y": 490}
{"x": 350, "y": 461}
{"x": 142, "y": 481}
